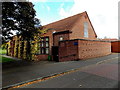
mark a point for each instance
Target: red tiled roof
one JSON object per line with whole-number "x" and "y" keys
{"x": 66, "y": 24}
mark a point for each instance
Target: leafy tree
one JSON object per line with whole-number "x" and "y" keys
{"x": 18, "y": 18}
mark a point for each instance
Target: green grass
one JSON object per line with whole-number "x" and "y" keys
{"x": 5, "y": 59}
{"x": 3, "y": 51}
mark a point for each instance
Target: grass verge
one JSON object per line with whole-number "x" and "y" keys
{"x": 5, "y": 59}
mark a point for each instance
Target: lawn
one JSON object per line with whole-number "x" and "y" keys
{"x": 4, "y": 59}
{"x": 3, "y": 51}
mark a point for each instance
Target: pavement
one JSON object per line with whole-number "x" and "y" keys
{"x": 86, "y": 78}
{"x": 35, "y": 70}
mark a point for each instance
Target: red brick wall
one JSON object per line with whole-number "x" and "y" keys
{"x": 91, "y": 49}
{"x": 115, "y": 46}
{"x": 41, "y": 57}
{"x": 78, "y": 29}
{"x": 84, "y": 50}
{"x": 68, "y": 51}
{"x": 57, "y": 37}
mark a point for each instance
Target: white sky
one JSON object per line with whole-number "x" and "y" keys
{"x": 103, "y": 15}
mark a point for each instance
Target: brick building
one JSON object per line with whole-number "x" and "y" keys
{"x": 79, "y": 49}
{"x": 115, "y": 46}
{"x": 75, "y": 27}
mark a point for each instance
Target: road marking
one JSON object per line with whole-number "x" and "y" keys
{"x": 54, "y": 75}
{"x": 40, "y": 80}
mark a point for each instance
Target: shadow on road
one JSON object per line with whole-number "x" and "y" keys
{"x": 22, "y": 63}
{"x": 14, "y": 64}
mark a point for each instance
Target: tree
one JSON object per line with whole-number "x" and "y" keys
{"x": 105, "y": 37}
{"x": 18, "y": 18}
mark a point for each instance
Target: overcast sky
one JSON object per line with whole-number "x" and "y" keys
{"x": 103, "y": 13}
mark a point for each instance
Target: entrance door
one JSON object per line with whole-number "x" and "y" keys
{"x": 55, "y": 53}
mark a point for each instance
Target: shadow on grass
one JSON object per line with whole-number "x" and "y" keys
{"x": 12, "y": 63}
{"x": 4, "y": 59}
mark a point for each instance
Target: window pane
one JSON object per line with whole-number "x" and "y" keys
{"x": 47, "y": 50}
{"x": 42, "y": 50}
{"x": 39, "y": 44}
{"x": 47, "y": 39}
{"x": 85, "y": 29}
{"x": 47, "y": 44}
{"x": 42, "y": 44}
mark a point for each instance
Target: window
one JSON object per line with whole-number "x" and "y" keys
{"x": 47, "y": 50}
{"x": 85, "y": 29}
{"x": 47, "y": 39}
{"x": 44, "y": 47}
{"x": 47, "y": 44}
{"x": 42, "y": 51}
{"x": 42, "y": 44}
{"x": 61, "y": 38}
{"x": 39, "y": 44}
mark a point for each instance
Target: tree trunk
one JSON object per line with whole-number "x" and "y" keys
{"x": 29, "y": 56}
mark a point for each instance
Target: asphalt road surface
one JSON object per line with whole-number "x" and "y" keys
{"x": 99, "y": 72}
{"x": 100, "y": 75}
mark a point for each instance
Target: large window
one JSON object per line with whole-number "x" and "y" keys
{"x": 44, "y": 45}
{"x": 85, "y": 29}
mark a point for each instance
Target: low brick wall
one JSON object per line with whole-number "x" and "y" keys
{"x": 115, "y": 46}
{"x": 41, "y": 57}
{"x": 83, "y": 49}
{"x": 92, "y": 49}
{"x": 68, "y": 51}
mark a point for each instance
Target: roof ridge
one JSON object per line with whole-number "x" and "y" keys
{"x": 65, "y": 18}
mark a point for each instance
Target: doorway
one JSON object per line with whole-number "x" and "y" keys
{"x": 55, "y": 53}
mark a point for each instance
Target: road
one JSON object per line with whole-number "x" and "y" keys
{"x": 99, "y": 72}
